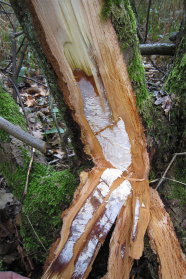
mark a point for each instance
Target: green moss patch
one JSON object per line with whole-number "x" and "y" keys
{"x": 178, "y": 173}
{"x": 49, "y": 193}
{"x": 10, "y": 111}
{"x": 124, "y": 23}
{"x": 176, "y": 81}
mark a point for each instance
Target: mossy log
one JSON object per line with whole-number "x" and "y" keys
{"x": 158, "y": 49}
{"x": 85, "y": 55}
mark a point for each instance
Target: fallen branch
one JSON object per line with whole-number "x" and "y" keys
{"x": 5, "y": 3}
{"x": 8, "y": 72}
{"x": 163, "y": 177}
{"x": 18, "y": 133}
{"x": 154, "y": 65}
{"x": 158, "y": 49}
{"x": 173, "y": 180}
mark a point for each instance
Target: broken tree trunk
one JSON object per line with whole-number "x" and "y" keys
{"x": 84, "y": 52}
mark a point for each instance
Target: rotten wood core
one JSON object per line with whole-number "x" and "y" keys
{"x": 85, "y": 54}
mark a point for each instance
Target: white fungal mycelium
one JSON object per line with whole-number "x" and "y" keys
{"x": 116, "y": 146}
{"x": 113, "y": 138}
{"x": 77, "y": 229}
{"x": 85, "y": 258}
{"x": 122, "y": 252}
{"x": 116, "y": 200}
{"x": 86, "y": 212}
{"x": 136, "y": 217}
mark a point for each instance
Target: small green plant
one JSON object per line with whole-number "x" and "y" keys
{"x": 1, "y": 265}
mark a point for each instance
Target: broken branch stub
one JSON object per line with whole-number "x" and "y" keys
{"x": 93, "y": 76}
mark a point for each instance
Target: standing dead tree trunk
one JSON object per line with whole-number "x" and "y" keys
{"x": 84, "y": 54}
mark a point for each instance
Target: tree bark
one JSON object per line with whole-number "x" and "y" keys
{"x": 98, "y": 96}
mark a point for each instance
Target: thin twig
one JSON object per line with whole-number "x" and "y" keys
{"x": 17, "y": 91}
{"x": 2, "y": 12}
{"x": 7, "y": 14}
{"x": 8, "y": 72}
{"x": 33, "y": 149}
{"x": 147, "y": 22}
{"x": 59, "y": 133}
{"x": 8, "y": 65}
{"x": 163, "y": 177}
{"x": 175, "y": 181}
{"x": 35, "y": 232}
{"x": 14, "y": 65}
{"x": 155, "y": 180}
{"x": 27, "y": 177}
{"x": 22, "y": 43}
{"x": 154, "y": 65}
{"x": 21, "y": 59}
{"x": 5, "y": 3}
{"x": 18, "y": 34}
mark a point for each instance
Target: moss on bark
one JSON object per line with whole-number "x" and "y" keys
{"x": 124, "y": 22}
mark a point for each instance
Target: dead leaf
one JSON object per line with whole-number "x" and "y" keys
{"x": 33, "y": 90}
{"x": 55, "y": 140}
{"x": 10, "y": 226}
{"x": 3, "y": 231}
{"x": 18, "y": 220}
{"x": 45, "y": 111}
{"x": 30, "y": 102}
{"x": 44, "y": 92}
{"x": 38, "y": 134}
{"x": 58, "y": 156}
{"x": 4, "y": 198}
{"x": 59, "y": 151}
{"x": 165, "y": 102}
